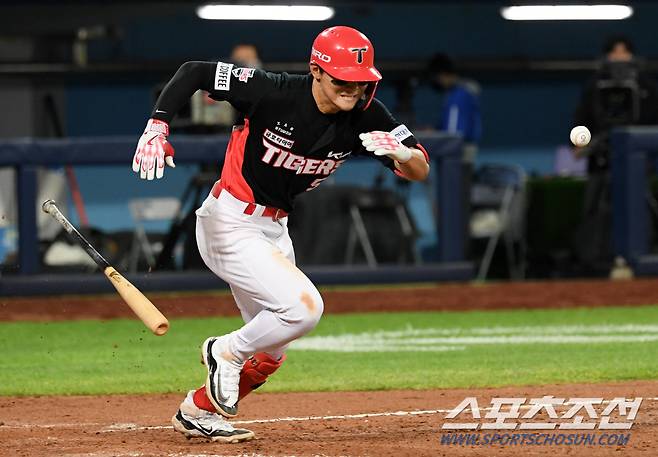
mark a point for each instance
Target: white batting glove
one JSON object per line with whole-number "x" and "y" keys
{"x": 153, "y": 151}
{"x": 385, "y": 144}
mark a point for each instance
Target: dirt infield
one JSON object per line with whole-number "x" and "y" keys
{"x": 443, "y": 297}
{"x": 135, "y": 426}
{"x": 392, "y": 423}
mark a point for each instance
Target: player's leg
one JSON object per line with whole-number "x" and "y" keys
{"x": 198, "y": 418}
{"x": 253, "y": 262}
{"x": 257, "y": 368}
{"x": 248, "y": 308}
{"x": 292, "y": 306}
{"x": 261, "y": 365}
{"x": 244, "y": 252}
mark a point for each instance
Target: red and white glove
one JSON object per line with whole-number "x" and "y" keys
{"x": 153, "y": 151}
{"x": 385, "y": 144}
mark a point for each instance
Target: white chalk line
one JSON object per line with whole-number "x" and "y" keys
{"x": 54, "y": 425}
{"x": 131, "y": 427}
{"x": 334, "y": 417}
{"x": 294, "y": 419}
{"x": 459, "y": 338}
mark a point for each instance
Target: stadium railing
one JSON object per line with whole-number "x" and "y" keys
{"x": 27, "y": 155}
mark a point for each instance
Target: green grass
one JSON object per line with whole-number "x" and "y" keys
{"x": 121, "y": 356}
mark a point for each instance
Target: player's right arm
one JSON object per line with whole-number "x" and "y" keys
{"x": 190, "y": 77}
{"x": 242, "y": 87}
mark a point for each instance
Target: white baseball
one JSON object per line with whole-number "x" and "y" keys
{"x": 580, "y": 135}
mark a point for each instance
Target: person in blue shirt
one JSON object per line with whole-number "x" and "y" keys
{"x": 460, "y": 114}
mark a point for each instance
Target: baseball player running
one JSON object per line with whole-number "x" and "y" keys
{"x": 298, "y": 130}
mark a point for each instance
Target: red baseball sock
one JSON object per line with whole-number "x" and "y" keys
{"x": 201, "y": 400}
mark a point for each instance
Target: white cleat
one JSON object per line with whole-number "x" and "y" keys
{"x": 223, "y": 381}
{"x": 194, "y": 422}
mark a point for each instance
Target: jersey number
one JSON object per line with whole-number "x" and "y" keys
{"x": 315, "y": 183}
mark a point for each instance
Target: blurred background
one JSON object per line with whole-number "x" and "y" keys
{"x": 508, "y": 196}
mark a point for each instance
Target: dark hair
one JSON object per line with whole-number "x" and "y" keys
{"x": 441, "y": 63}
{"x": 614, "y": 40}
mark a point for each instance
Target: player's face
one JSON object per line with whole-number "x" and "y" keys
{"x": 343, "y": 95}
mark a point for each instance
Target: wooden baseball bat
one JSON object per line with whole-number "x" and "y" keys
{"x": 141, "y": 305}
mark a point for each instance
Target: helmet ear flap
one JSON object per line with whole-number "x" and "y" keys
{"x": 368, "y": 95}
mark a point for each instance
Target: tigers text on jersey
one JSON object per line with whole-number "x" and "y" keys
{"x": 287, "y": 146}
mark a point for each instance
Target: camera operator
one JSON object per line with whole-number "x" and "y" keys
{"x": 620, "y": 93}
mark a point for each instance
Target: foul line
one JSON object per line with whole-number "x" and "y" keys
{"x": 126, "y": 427}
{"x": 130, "y": 427}
{"x": 133, "y": 427}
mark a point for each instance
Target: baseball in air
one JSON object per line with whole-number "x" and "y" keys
{"x": 580, "y": 136}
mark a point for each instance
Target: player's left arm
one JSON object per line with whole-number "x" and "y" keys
{"x": 410, "y": 162}
{"x": 416, "y": 168}
{"x": 393, "y": 143}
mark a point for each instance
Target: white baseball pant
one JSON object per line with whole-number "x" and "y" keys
{"x": 254, "y": 255}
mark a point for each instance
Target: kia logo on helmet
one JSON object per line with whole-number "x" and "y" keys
{"x": 321, "y": 56}
{"x": 359, "y": 53}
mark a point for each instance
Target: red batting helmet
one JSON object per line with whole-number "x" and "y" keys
{"x": 347, "y": 54}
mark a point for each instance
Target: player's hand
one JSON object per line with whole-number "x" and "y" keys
{"x": 385, "y": 144}
{"x": 153, "y": 151}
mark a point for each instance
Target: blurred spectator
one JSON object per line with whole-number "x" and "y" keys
{"x": 460, "y": 114}
{"x": 246, "y": 55}
{"x": 220, "y": 115}
{"x": 619, "y": 93}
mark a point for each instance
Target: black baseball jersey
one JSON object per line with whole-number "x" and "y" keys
{"x": 286, "y": 146}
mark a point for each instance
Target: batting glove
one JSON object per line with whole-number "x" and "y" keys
{"x": 385, "y": 144}
{"x": 153, "y": 151}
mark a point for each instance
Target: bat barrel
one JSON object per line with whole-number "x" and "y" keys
{"x": 142, "y": 306}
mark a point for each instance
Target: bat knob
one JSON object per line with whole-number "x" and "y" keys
{"x": 47, "y": 205}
